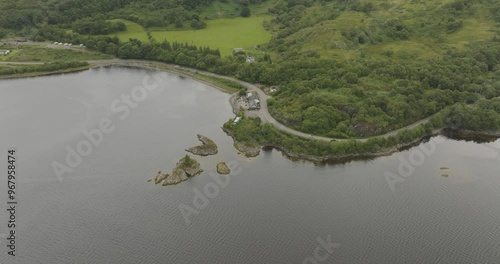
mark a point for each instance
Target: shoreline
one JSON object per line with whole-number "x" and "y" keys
{"x": 41, "y": 74}
{"x": 249, "y": 151}
{"x": 342, "y": 159}
{"x": 478, "y": 137}
{"x": 169, "y": 69}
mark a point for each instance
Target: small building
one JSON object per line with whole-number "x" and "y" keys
{"x": 254, "y": 104}
{"x": 4, "y": 52}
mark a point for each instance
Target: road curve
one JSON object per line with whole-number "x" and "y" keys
{"x": 264, "y": 110}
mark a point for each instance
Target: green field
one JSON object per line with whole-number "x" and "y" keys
{"x": 219, "y": 9}
{"x": 224, "y": 34}
{"x": 134, "y": 30}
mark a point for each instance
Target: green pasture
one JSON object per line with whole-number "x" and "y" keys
{"x": 224, "y": 34}
{"x": 134, "y": 31}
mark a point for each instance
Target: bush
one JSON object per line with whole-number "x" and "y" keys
{"x": 245, "y": 12}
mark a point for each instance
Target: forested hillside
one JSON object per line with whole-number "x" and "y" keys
{"x": 21, "y": 14}
{"x": 345, "y": 68}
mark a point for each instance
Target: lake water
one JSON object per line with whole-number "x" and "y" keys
{"x": 271, "y": 210}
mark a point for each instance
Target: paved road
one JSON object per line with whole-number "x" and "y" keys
{"x": 264, "y": 110}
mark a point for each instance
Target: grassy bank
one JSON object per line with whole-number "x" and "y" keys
{"x": 7, "y": 72}
{"x": 42, "y": 53}
{"x": 226, "y": 85}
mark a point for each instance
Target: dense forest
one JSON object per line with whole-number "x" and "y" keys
{"x": 21, "y": 15}
{"x": 344, "y": 69}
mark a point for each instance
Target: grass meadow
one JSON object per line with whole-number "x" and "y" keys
{"x": 224, "y": 34}
{"x": 134, "y": 30}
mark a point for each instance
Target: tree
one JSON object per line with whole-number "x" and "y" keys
{"x": 245, "y": 11}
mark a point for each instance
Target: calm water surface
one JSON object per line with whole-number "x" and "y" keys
{"x": 273, "y": 211}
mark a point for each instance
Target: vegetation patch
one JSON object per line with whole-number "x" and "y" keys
{"x": 132, "y": 31}
{"x": 222, "y": 168}
{"x": 224, "y": 34}
{"x": 185, "y": 168}
{"x": 43, "y": 53}
{"x": 208, "y": 147}
{"x": 42, "y": 69}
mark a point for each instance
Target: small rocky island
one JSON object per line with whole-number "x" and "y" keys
{"x": 208, "y": 147}
{"x": 185, "y": 168}
{"x": 222, "y": 168}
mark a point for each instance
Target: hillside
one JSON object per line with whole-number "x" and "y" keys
{"x": 368, "y": 67}
{"x": 423, "y": 28}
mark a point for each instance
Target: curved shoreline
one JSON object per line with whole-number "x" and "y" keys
{"x": 264, "y": 114}
{"x": 40, "y": 74}
{"x": 478, "y": 137}
{"x": 336, "y": 159}
{"x": 266, "y": 117}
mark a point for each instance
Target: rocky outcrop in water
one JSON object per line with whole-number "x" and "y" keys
{"x": 185, "y": 168}
{"x": 159, "y": 178}
{"x": 208, "y": 147}
{"x": 248, "y": 151}
{"x": 222, "y": 168}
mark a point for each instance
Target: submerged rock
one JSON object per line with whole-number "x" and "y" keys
{"x": 222, "y": 168}
{"x": 185, "y": 168}
{"x": 208, "y": 147}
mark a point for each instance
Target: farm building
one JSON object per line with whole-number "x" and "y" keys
{"x": 4, "y": 52}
